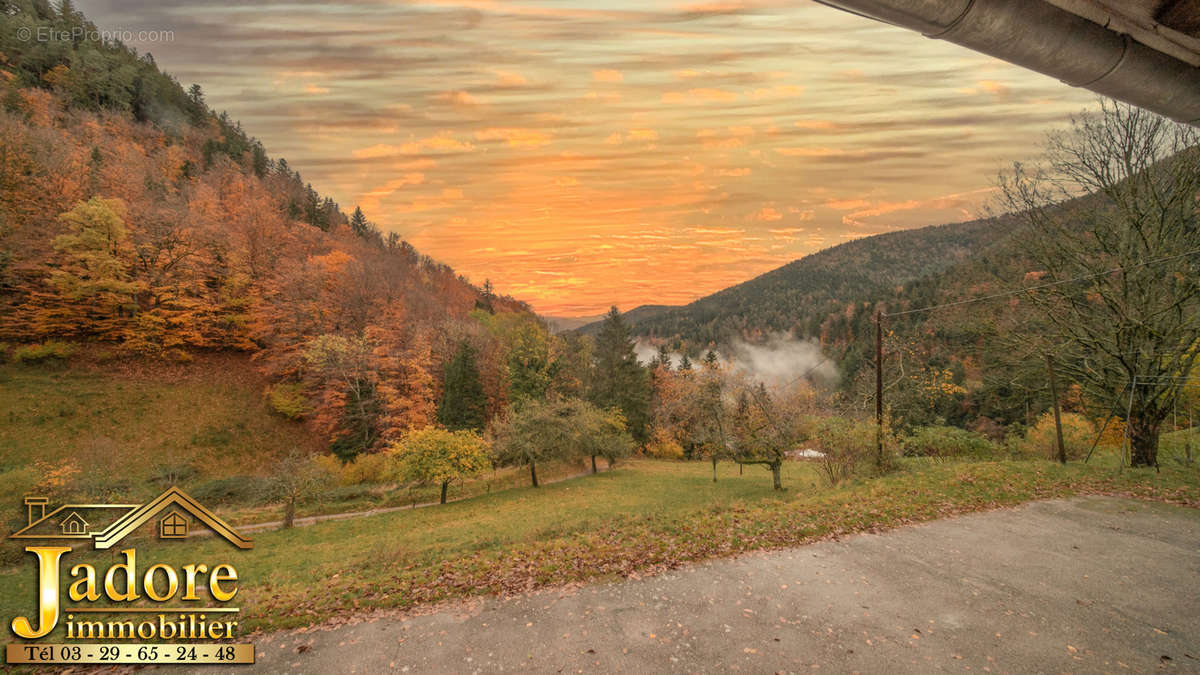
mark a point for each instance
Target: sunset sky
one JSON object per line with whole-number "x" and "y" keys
{"x": 587, "y": 154}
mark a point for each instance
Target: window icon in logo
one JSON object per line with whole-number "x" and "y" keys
{"x": 173, "y": 526}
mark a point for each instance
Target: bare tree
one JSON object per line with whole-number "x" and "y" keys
{"x": 296, "y": 479}
{"x": 1111, "y": 215}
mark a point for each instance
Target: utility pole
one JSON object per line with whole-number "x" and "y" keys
{"x": 1062, "y": 450}
{"x": 879, "y": 388}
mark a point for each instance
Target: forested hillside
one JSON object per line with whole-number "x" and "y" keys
{"x": 133, "y": 215}
{"x": 802, "y": 295}
{"x": 936, "y": 361}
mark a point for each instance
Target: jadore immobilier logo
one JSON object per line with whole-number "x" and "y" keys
{"x": 132, "y": 609}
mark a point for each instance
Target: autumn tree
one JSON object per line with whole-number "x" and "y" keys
{"x": 93, "y": 277}
{"x": 536, "y": 431}
{"x": 765, "y": 426}
{"x": 529, "y": 356}
{"x": 597, "y": 432}
{"x": 349, "y": 409}
{"x": 688, "y": 409}
{"x": 559, "y": 429}
{"x": 1118, "y": 285}
{"x": 403, "y": 359}
{"x": 433, "y": 456}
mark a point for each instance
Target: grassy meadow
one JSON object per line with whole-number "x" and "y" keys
{"x": 643, "y": 516}
{"x": 125, "y": 430}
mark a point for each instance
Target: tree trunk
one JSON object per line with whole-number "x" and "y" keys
{"x": 776, "y": 468}
{"x": 714, "y": 461}
{"x": 593, "y": 464}
{"x": 289, "y": 514}
{"x": 445, "y": 484}
{"x": 533, "y": 473}
{"x": 1062, "y": 448}
{"x": 1143, "y": 441}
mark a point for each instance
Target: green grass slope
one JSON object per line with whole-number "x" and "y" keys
{"x": 129, "y": 430}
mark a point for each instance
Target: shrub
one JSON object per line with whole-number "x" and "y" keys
{"x": 56, "y": 478}
{"x": 349, "y": 493}
{"x": 1078, "y": 435}
{"x": 177, "y": 355}
{"x": 288, "y": 399}
{"x": 945, "y": 443}
{"x": 662, "y": 446}
{"x": 47, "y": 351}
{"x": 213, "y": 437}
{"x": 172, "y": 473}
{"x": 376, "y": 467}
{"x": 849, "y": 447}
{"x": 232, "y": 489}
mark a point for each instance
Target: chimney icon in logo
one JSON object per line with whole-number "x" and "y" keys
{"x": 40, "y": 503}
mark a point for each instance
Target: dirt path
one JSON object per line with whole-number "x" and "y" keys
{"x": 1091, "y": 584}
{"x": 309, "y": 520}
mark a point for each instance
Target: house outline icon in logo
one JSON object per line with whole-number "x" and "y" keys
{"x": 74, "y": 524}
{"x": 171, "y": 509}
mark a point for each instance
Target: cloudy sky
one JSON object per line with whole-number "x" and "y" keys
{"x": 583, "y": 154}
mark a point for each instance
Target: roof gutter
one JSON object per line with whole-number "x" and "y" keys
{"x": 1042, "y": 37}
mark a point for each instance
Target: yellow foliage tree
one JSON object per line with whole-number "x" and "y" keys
{"x": 434, "y": 456}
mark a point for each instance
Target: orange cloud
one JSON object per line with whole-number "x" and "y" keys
{"x": 997, "y": 89}
{"x": 779, "y": 91}
{"x": 371, "y": 199}
{"x": 515, "y": 138}
{"x": 819, "y": 125}
{"x": 846, "y": 204}
{"x": 443, "y": 141}
{"x": 607, "y": 75}
{"x": 456, "y": 98}
{"x": 700, "y": 95}
{"x": 506, "y": 78}
{"x": 809, "y": 152}
{"x": 953, "y": 201}
{"x": 786, "y": 232}
{"x": 768, "y": 214}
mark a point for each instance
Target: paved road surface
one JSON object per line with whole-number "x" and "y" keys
{"x": 1085, "y": 585}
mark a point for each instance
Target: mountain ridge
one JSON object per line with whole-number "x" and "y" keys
{"x": 869, "y": 268}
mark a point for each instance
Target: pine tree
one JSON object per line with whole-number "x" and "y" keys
{"x": 463, "y": 403}
{"x": 620, "y": 381}
{"x": 358, "y": 223}
{"x": 685, "y": 364}
{"x": 486, "y": 295}
{"x": 664, "y": 357}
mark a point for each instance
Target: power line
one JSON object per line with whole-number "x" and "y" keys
{"x": 1051, "y": 284}
{"x": 1152, "y": 379}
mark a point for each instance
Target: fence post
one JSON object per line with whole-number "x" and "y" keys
{"x": 879, "y": 388}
